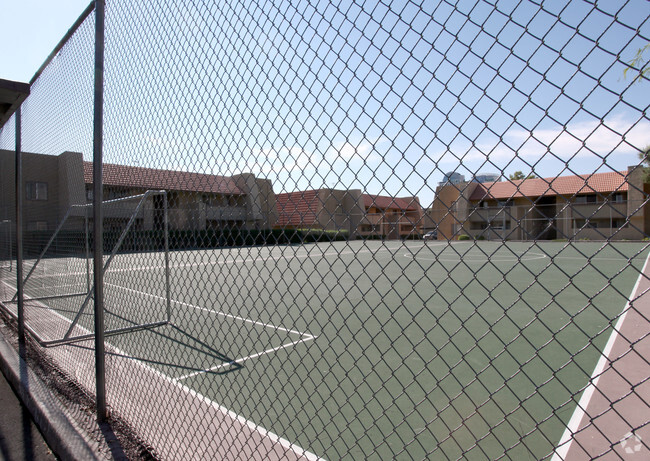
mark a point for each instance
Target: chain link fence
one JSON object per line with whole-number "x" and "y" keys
{"x": 344, "y": 230}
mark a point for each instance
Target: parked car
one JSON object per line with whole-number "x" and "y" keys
{"x": 431, "y": 235}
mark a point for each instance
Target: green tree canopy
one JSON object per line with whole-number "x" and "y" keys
{"x": 520, "y": 175}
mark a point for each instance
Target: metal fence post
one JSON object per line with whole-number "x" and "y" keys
{"x": 100, "y": 372}
{"x": 166, "y": 239}
{"x": 19, "y": 231}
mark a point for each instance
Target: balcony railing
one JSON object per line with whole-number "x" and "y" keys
{"x": 225, "y": 212}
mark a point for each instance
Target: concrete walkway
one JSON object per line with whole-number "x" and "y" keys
{"x": 20, "y": 438}
{"x": 28, "y": 409}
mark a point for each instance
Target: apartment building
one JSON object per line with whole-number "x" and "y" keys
{"x": 597, "y": 206}
{"x": 391, "y": 217}
{"x": 196, "y": 201}
{"x": 363, "y": 215}
{"x": 323, "y": 209}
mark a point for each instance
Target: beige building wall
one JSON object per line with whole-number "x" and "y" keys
{"x": 72, "y": 190}
{"x": 63, "y": 176}
{"x": 443, "y": 210}
{"x": 339, "y": 210}
{"x": 451, "y": 210}
{"x": 261, "y": 210}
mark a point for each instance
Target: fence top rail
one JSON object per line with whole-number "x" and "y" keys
{"x": 89, "y": 9}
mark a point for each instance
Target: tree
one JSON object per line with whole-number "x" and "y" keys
{"x": 639, "y": 63}
{"x": 519, "y": 175}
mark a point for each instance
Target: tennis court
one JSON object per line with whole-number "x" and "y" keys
{"x": 375, "y": 349}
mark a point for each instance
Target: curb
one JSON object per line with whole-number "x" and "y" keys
{"x": 59, "y": 433}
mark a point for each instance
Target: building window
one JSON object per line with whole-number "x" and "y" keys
{"x": 36, "y": 191}
{"x": 586, "y": 198}
{"x": 499, "y": 226}
{"x": 173, "y": 200}
{"x": 619, "y": 198}
{"x": 586, "y": 224}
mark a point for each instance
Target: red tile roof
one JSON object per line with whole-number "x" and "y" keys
{"x": 384, "y": 202}
{"x": 603, "y": 183}
{"x": 149, "y": 178}
{"x": 298, "y": 208}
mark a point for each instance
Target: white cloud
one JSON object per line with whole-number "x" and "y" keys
{"x": 272, "y": 161}
{"x": 347, "y": 152}
{"x": 595, "y": 139}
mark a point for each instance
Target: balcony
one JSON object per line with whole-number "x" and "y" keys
{"x": 599, "y": 210}
{"x": 216, "y": 213}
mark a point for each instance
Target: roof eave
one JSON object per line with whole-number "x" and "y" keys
{"x": 12, "y": 95}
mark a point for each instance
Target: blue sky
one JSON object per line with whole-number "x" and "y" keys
{"x": 30, "y": 31}
{"x": 381, "y": 98}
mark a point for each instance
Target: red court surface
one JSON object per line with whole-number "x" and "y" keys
{"x": 612, "y": 418}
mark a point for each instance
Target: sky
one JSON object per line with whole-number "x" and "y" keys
{"x": 31, "y": 29}
{"x": 360, "y": 95}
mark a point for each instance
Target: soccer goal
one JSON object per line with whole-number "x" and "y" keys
{"x": 59, "y": 286}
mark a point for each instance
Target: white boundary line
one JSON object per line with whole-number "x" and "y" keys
{"x": 243, "y": 260}
{"x": 243, "y": 359}
{"x": 483, "y": 259}
{"x": 300, "y": 452}
{"x": 304, "y": 336}
{"x": 573, "y": 426}
{"x": 270, "y": 257}
{"x": 212, "y": 311}
{"x": 45, "y": 306}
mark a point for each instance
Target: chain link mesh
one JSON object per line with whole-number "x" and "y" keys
{"x": 349, "y": 230}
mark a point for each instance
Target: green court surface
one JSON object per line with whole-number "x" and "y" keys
{"x": 381, "y": 349}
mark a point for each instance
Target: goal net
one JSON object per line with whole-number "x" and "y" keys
{"x": 58, "y": 285}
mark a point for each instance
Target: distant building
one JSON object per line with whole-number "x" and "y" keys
{"x": 391, "y": 217}
{"x": 487, "y": 177}
{"x": 324, "y": 209}
{"x": 599, "y": 206}
{"x": 363, "y": 215}
{"x": 452, "y": 178}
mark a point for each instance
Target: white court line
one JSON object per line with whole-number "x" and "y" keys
{"x": 483, "y": 259}
{"x": 243, "y": 260}
{"x": 304, "y": 336}
{"x": 256, "y": 259}
{"x": 300, "y": 452}
{"x": 212, "y": 311}
{"x": 243, "y": 359}
{"x": 563, "y": 446}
